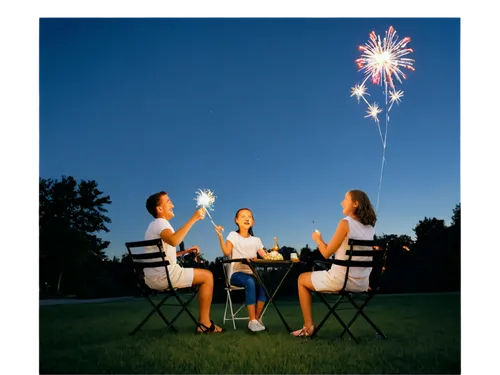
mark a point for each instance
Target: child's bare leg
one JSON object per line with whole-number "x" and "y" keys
{"x": 251, "y": 312}
{"x": 305, "y": 286}
{"x": 205, "y": 279}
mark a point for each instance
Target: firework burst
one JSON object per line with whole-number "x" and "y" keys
{"x": 381, "y": 62}
{"x": 395, "y": 97}
{"x": 373, "y": 111}
{"x": 359, "y": 91}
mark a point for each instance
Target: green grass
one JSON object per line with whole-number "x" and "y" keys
{"x": 423, "y": 337}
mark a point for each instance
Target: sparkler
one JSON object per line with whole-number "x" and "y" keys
{"x": 381, "y": 62}
{"x": 206, "y": 199}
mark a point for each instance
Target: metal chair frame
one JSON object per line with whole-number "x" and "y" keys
{"x": 231, "y": 288}
{"x": 378, "y": 254}
{"x": 140, "y": 261}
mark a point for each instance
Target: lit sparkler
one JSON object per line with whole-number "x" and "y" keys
{"x": 206, "y": 199}
{"x": 381, "y": 62}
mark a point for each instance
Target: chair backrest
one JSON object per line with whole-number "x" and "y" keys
{"x": 227, "y": 268}
{"x": 375, "y": 250}
{"x": 147, "y": 260}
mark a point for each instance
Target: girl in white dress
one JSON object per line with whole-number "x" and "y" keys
{"x": 358, "y": 223}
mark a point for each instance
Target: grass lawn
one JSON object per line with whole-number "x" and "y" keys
{"x": 423, "y": 334}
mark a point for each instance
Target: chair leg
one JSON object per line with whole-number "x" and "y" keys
{"x": 156, "y": 308}
{"x": 361, "y": 312}
{"x": 346, "y": 329}
{"x": 239, "y": 309}
{"x": 225, "y": 308}
{"x": 358, "y": 312}
{"x": 231, "y": 307}
{"x": 330, "y": 308}
{"x": 184, "y": 306}
{"x": 334, "y": 313}
{"x": 264, "y": 311}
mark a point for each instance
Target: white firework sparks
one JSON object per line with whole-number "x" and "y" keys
{"x": 373, "y": 111}
{"x": 205, "y": 198}
{"x": 395, "y": 97}
{"x": 383, "y": 59}
{"x": 359, "y": 91}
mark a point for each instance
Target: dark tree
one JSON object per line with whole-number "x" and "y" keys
{"x": 429, "y": 229}
{"x": 437, "y": 254}
{"x": 456, "y": 217}
{"x": 70, "y": 216}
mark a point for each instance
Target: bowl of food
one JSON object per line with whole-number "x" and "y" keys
{"x": 273, "y": 255}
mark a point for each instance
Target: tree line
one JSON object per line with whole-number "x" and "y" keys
{"x": 72, "y": 259}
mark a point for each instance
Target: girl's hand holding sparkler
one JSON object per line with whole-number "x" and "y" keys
{"x": 219, "y": 229}
{"x": 316, "y": 236}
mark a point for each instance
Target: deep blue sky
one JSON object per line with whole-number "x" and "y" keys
{"x": 257, "y": 110}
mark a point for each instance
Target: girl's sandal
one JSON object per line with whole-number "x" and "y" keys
{"x": 212, "y": 329}
{"x": 303, "y": 332}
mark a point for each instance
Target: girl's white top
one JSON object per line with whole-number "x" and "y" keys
{"x": 243, "y": 248}
{"x": 357, "y": 231}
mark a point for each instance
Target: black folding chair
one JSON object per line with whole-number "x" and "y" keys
{"x": 378, "y": 253}
{"x": 140, "y": 261}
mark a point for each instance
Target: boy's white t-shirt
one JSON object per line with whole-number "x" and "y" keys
{"x": 154, "y": 231}
{"x": 243, "y": 248}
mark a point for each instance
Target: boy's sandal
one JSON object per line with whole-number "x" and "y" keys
{"x": 212, "y": 329}
{"x": 303, "y": 332}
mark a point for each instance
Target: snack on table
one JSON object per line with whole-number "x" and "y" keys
{"x": 273, "y": 255}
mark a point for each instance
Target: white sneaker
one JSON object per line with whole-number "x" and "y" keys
{"x": 261, "y": 323}
{"x": 255, "y": 326}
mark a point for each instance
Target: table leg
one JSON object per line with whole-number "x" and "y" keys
{"x": 271, "y": 297}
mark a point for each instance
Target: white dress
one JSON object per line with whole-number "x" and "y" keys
{"x": 359, "y": 277}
